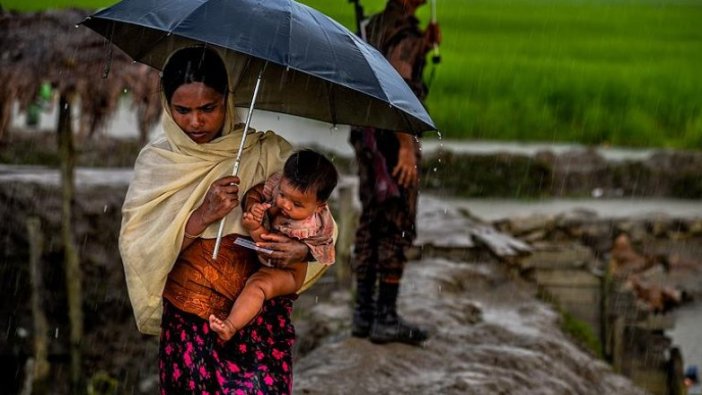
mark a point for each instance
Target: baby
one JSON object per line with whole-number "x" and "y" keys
{"x": 293, "y": 203}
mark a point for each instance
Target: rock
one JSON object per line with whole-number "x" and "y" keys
{"x": 442, "y": 225}
{"x": 526, "y": 225}
{"x": 562, "y": 256}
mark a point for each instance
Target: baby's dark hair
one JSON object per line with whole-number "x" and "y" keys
{"x": 194, "y": 64}
{"x": 307, "y": 169}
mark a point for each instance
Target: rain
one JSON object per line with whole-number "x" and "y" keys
{"x": 559, "y": 245}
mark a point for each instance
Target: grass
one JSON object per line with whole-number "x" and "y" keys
{"x": 581, "y": 333}
{"x": 578, "y": 330}
{"x": 600, "y": 72}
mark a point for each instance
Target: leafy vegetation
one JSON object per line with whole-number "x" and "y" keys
{"x": 615, "y": 72}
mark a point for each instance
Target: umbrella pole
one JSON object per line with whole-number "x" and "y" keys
{"x": 235, "y": 172}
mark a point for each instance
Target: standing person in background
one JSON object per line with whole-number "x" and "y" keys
{"x": 388, "y": 171}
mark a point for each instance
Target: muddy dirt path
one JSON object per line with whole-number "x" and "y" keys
{"x": 490, "y": 335}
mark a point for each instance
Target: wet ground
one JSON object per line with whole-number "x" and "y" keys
{"x": 688, "y": 319}
{"x": 490, "y": 334}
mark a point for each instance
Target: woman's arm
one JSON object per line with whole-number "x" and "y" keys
{"x": 193, "y": 229}
{"x": 220, "y": 200}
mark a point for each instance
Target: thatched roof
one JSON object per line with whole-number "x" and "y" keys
{"x": 49, "y": 47}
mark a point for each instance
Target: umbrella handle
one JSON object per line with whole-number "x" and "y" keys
{"x": 220, "y": 231}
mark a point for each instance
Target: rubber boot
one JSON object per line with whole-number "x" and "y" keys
{"x": 364, "y": 307}
{"x": 388, "y": 326}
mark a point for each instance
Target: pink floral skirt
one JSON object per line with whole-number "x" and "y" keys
{"x": 257, "y": 360}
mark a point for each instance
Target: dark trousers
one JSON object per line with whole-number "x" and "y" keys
{"x": 386, "y": 229}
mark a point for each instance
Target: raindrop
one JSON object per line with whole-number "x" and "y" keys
{"x": 77, "y": 26}
{"x": 134, "y": 61}
{"x": 403, "y": 234}
{"x": 316, "y": 299}
{"x": 439, "y": 134}
{"x": 434, "y": 170}
{"x": 126, "y": 90}
{"x": 65, "y": 106}
{"x": 104, "y": 209}
{"x": 440, "y": 288}
{"x": 21, "y": 332}
{"x": 56, "y": 333}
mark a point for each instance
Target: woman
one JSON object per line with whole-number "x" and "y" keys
{"x": 171, "y": 213}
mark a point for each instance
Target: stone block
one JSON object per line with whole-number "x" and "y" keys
{"x": 562, "y": 255}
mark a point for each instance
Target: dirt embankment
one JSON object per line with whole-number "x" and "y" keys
{"x": 578, "y": 173}
{"x": 490, "y": 334}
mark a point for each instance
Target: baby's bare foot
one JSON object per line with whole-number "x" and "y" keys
{"x": 223, "y": 328}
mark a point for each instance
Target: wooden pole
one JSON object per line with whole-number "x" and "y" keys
{"x": 71, "y": 262}
{"x": 41, "y": 367}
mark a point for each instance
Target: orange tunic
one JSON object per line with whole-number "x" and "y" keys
{"x": 202, "y": 286}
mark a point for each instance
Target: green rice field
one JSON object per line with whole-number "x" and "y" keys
{"x": 617, "y": 72}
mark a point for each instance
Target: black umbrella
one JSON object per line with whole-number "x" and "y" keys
{"x": 316, "y": 67}
{"x": 313, "y": 66}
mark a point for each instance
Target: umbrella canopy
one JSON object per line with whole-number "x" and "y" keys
{"x": 316, "y": 68}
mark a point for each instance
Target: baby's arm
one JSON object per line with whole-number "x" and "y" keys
{"x": 254, "y": 207}
{"x": 252, "y": 220}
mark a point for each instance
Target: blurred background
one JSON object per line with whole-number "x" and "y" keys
{"x": 596, "y": 72}
{"x": 560, "y": 224}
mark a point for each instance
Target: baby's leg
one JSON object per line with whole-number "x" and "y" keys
{"x": 265, "y": 284}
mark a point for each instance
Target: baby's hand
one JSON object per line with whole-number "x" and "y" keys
{"x": 258, "y": 210}
{"x": 253, "y": 218}
{"x": 249, "y": 222}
